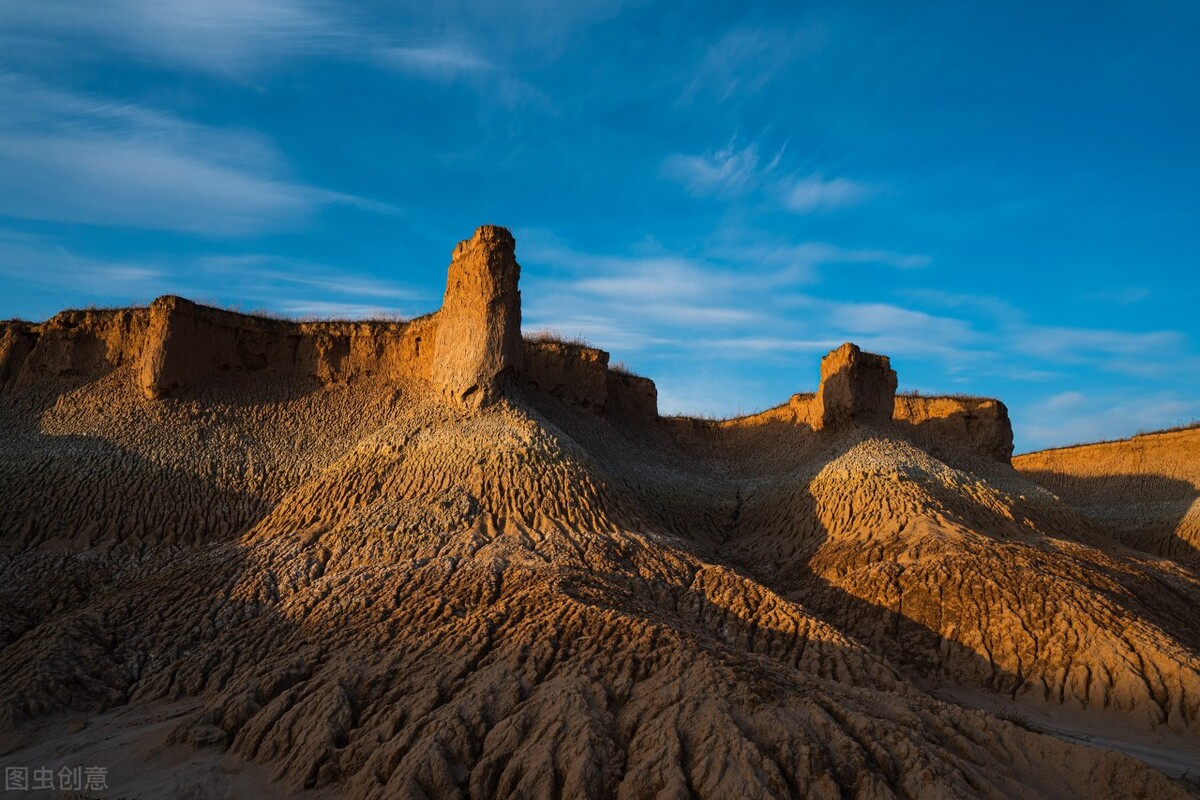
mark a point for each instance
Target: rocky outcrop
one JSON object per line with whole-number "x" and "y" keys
{"x": 470, "y": 349}
{"x": 479, "y": 325}
{"x": 857, "y": 388}
{"x": 977, "y": 423}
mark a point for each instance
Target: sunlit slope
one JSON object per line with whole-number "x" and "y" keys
{"x": 972, "y": 573}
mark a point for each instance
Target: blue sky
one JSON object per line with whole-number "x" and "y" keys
{"x": 1003, "y": 197}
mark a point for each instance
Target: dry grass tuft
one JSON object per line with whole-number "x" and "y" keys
{"x": 550, "y": 336}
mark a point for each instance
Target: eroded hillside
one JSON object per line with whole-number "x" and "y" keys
{"x": 1144, "y": 490}
{"x": 431, "y": 559}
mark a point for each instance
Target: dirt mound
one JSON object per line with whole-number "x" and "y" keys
{"x": 332, "y": 566}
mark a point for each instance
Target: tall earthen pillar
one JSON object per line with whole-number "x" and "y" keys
{"x": 479, "y": 325}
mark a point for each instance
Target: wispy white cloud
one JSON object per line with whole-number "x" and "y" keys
{"x": 976, "y": 304}
{"x": 228, "y": 36}
{"x": 725, "y": 296}
{"x": 776, "y": 264}
{"x": 727, "y": 171}
{"x": 740, "y": 345}
{"x": 644, "y": 278}
{"x": 1083, "y": 344}
{"x": 239, "y": 39}
{"x": 885, "y": 318}
{"x": 623, "y": 302}
{"x": 441, "y": 61}
{"x": 1128, "y": 352}
{"x": 815, "y": 193}
{"x": 75, "y": 158}
{"x": 744, "y": 61}
{"x": 263, "y": 275}
{"x": 733, "y": 172}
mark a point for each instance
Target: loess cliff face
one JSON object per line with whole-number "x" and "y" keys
{"x": 1145, "y": 491}
{"x": 385, "y": 561}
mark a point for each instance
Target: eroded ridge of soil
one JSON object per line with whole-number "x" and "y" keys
{"x": 1145, "y": 490}
{"x": 380, "y": 595}
{"x": 243, "y": 557}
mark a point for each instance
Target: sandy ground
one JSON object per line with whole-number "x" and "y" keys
{"x": 130, "y": 743}
{"x": 1177, "y": 755}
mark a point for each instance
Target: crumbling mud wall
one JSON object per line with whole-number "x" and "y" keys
{"x": 569, "y": 372}
{"x": 470, "y": 350}
{"x": 188, "y": 344}
{"x": 1119, "y": 471}
{"x": 17, "y": 339}
{"x": 978, "y": 423}
{"x": 801, "y": 410}
{"x": 581, "y": 376}
{"x": 83, "y": 344}
{"x": 1145, "y": 490}
{"x": 176, "y": 344}
{"x": 631, "y": 398}
{"x": 858, "y": 389}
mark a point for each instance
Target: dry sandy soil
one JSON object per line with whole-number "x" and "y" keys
{"x": 264, "y": 586}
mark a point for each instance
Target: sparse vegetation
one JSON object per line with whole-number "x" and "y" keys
{"x": 113, "y": 307}
{"x": 550, "y": 336}
{"x": 1189, "y": 780}
{"x": 698, "y": 416}
{"x": 258, "y": 312}
{"x": 1018, "y": 719}
{"x": 1187, "y": 426}
{"x": 943, "y": 396}
{"x": 387, "y": 317}
{"x": 621, "y": 368}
